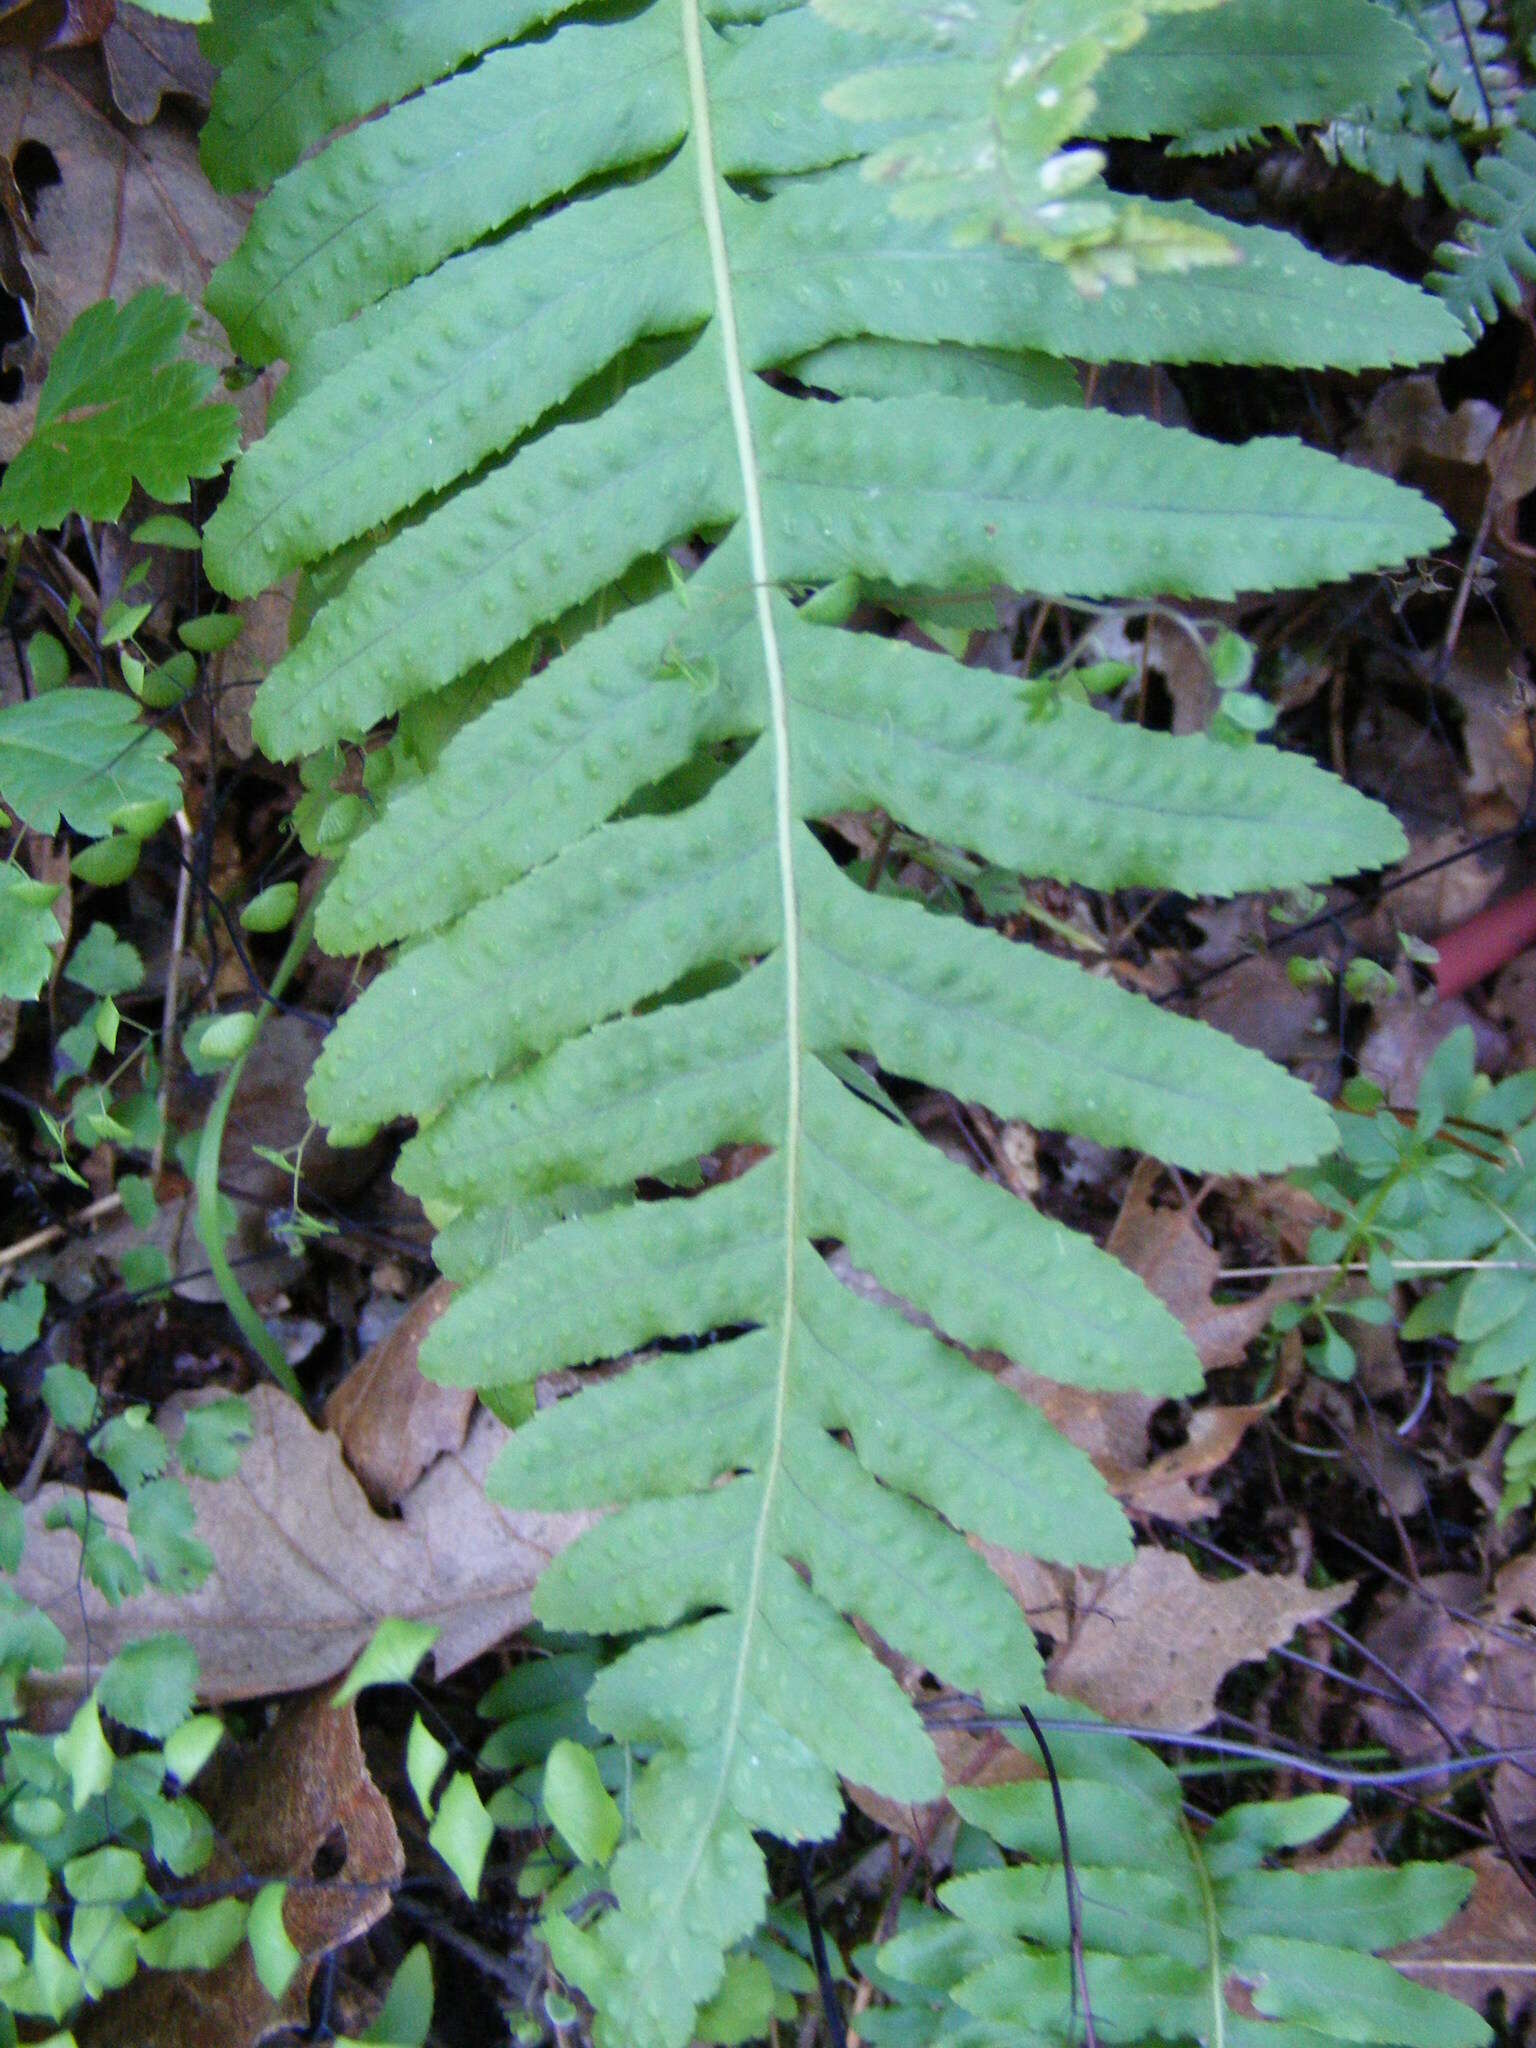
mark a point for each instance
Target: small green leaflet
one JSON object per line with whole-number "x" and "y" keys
{"x": 86, "y": 1755}
{"x": 28, "y": 933}
{"x": 391, "y": 1657}
{"x": 425, "y": 1757}
{"x": 272, "y": 1949}
{"x": 21, "y": 1316}
{"x": 105, "y": 964}
{"x": 120, "y": 405}
{"x": 81, "y": 755}
{"x": 407, "y": 2013}
{"x": 461, "y": 1833}
{"x": 150, "y": 1685}
{"x": 579, "y": 1804}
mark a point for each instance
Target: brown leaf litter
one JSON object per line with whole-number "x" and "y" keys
{"x": 287, "y": 1808}
{"x": 304, "y": 1569}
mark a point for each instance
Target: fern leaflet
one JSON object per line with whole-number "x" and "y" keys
{"x": 1495, "y": 245}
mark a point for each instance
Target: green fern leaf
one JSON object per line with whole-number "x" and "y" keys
{"x": 1422, "y": 132}
{"x": 1495, "y": 245}
{"x": 1255, "y": 64}
{"x": 293, "y": 73}
{"x": 1009, "y": 83}
{"x": 624, "y": 940}
{"x": 1412, "y": 140}
{"x": 1471, "y": 71}
{"x": 1174, "y": 1924}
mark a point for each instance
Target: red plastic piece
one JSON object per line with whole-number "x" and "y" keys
{"x": 1486, "y": 943}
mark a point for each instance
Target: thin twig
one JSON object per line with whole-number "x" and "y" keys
{"x": 32, "y": 1478}
{"x": 168, "y": 1008}
{"x": 1397, "y": 1266}
{"x": 40, "y": 1240}
{"x": 1249, "y": 1752}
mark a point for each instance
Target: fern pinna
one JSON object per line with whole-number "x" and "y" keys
{"x": 586, "y": 533}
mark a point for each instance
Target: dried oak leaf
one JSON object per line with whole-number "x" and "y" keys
{"x": 302, "y": 1789}
{"x": 393, "y": 1423}
{"x": 1477, "y": 1676}
{"x": 1153, "y": 1640}
{"x": 148, "y": 58}
{"x": 55, "y": 24}
{"x": 304, "y": 1570}
{"x": 130, "y": 207}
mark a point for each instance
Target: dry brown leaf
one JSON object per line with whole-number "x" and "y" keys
{"x": 54, "y": 24}
{"x": 1154, "y": 1640}
{"x": 1452, "y": 881}
{"x": 1257, "y": 1003}
{"x": 1180, "y": 660}
{"x": 148, "y": 58}
{"x": 1487, "y": 681}
{"x": 1405, "y": 1035}
{"x": 1043, "y": 1591}
{"x": 132, "y": 207}
{"x": 988, "y": 1758}
{"x": 304, "y": 1569}
{"x": 1435, "y": 1653}
{"x": 392, "y": 1422}
{"x": 1490, "y": 1945}
{"x": 274, "y": 1808}
{"x": 1457, "y": 457}
{"x": 1512, "y": 1001}
{"x": 1164, "y": 1489}
{"x": 236, "y": 670}
{"x": 1477, "y": 1677}
{"x": 1165, "y": 1248}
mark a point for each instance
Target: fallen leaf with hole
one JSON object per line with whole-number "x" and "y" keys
{"x": 301, "y": 1806}
{"x": 303, "y": 1567}
{"x": 128, "y": 207}
{"x": 54, "y": 24}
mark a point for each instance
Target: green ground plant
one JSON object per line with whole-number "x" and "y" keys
{"x": 99, "y": 1834}
{"x": 1442, "y": 1199}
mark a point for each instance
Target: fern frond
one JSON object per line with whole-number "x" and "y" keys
{"x": 1411, "y": 140}
{"x": 1495, "y": 245}
{"x": 1423, "y": 131}
{"x": 1471, "y": 70}
{"x": 1186, "y": 1935}
{"x": 539, "y": 317}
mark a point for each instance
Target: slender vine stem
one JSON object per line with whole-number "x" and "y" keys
{"x": 206, "y": 1181}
